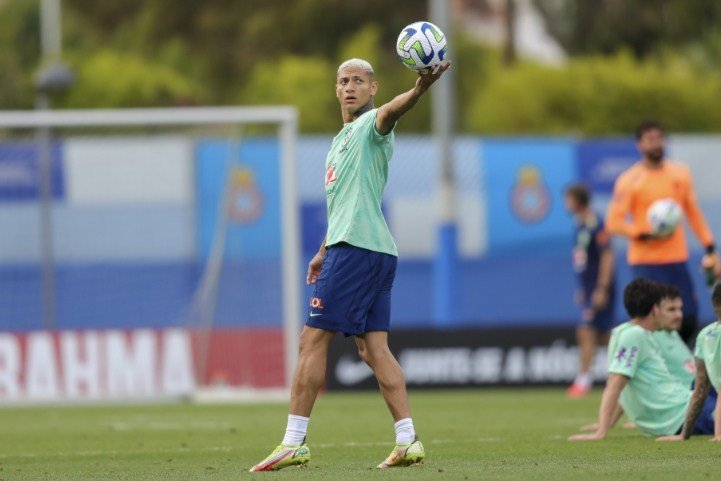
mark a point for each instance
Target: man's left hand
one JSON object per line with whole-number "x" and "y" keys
{"x": 712, "y": 261}
{"x": 599, "y": 298}
{"x": 598, "y": 435}
{"x": 425, "y": 80}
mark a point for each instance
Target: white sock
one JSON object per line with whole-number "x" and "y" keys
{"x": 405, "y": 434}
{"x": 296, "y": 430}
{"x": 584, "y": 379}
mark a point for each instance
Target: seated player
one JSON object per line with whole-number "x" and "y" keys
{"x": 639, "y": 382}
{"x": 705, "y": 408}
{"x": 675, "y": 353}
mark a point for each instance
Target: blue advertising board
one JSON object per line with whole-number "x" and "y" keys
{"x": 600, "y": 162}
{"x": 524, "y": 182}
{"x": 241, "y": 182}
{"x": 20, "y": 173}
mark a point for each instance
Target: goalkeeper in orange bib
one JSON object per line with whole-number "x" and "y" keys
{"x": 650, "y": 255}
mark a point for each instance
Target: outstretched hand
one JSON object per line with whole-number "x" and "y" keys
{"x": 425, "y": 80}
{"x": 595, "y": 436}
{"x": 673, "y": 437}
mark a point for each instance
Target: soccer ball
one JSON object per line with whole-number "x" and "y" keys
{"x": 664, "y": 216}
{"x": 422, "y": 46}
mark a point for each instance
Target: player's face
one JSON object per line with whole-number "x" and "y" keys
{"x": 572, "y": 205}
{"x": 671, "y": 314}
{"x": 652, "y": 145}
{"x": 354, "y": 89}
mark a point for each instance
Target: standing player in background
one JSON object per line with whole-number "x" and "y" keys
{"x": 663, "y": 259}
{"x": 354, "y": 269}
{"x": 593, "y": 261}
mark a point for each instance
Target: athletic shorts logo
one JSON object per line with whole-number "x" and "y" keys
{"x": 316, "y": 303}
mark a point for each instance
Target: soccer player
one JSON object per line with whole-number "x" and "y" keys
{"x": 651, "y": 256}
{"x": 593, "y": 261}
{"x": 674, "y": 352}
{"x": 354, "y": 269}
{"x": 639, "y": 382}
{"x": 708, "y": 378}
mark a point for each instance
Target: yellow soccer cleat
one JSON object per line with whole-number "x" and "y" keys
{"x": 284, "y": 456}
{"x": 405, "y": 455}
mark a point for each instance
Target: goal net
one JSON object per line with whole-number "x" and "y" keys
{"x": 148, "y": 253}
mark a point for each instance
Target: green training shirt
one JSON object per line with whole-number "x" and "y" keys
{"x": 653, "y": 398}
{"x": 356, "y": 175}
{"x": 708, "y": 349}
{"x": 677, "y": 355}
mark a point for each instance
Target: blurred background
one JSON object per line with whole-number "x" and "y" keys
{"x": 150, "y": 259}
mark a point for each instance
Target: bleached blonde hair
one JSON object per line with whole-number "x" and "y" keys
{"x": 358, "y": 63}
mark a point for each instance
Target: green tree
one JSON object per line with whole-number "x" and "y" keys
{"x": 112, "y": 79}
{"x": 643, "y": 26}
{"x": 19, "y": 53}
{"x": 306, "y": 82}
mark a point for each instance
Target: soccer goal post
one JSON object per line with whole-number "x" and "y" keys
{"x": 166, "y": 241}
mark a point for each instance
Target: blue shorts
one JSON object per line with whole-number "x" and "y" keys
{"x": 705, "y": 424}
{"x": 353, "y": 292}
{"x": 602, "y": 320}
{"x": 676, "y": 274}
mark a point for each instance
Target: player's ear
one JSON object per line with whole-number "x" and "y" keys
{"x": 374, "y": 87}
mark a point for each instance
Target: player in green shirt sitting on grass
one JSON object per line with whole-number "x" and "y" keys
{"x": 675, "y": 353}
{"x": 639, "y": 380}
{"x": 708, "y": 375}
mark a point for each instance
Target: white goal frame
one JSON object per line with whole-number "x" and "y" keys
{"x": 286, "y": 117}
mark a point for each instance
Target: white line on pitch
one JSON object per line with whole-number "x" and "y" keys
{"x": 61, "y": 454}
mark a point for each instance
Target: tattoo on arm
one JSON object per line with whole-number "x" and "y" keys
{"x": 700, "y": 392}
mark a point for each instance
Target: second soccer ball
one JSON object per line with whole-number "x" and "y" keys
{"x": 664, "y": 216}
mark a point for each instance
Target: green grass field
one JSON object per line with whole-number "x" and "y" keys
{"x": 511, "y": 434}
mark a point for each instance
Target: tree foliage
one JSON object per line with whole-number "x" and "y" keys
{"x": 597, "y": 95}
{"x": 630, "y": 59}
{"x": 642, "y": 26}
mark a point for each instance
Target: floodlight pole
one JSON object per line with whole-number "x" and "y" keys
{"x": 443, "y": 103}
{"x": 52, "y": 77}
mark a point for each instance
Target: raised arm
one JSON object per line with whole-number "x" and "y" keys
{"x": 388, "y": 114}
{"x": 700, "y": 391}
{"x": 609, "y": 412}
